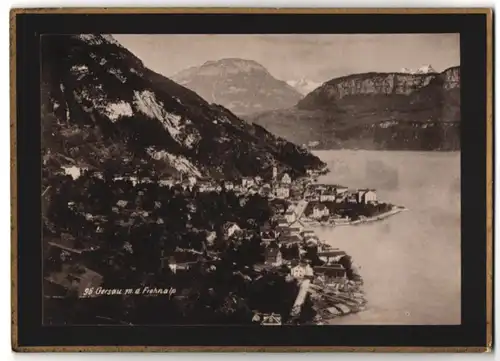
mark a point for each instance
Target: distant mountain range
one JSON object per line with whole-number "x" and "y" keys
{"x": 103, "y": 109}
{"x": 418, "y": 111}
{"x": 243, "y": 86}
{"x": 304, "y": 86}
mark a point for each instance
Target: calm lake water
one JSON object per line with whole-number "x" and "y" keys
{"x": 410, "y": 262}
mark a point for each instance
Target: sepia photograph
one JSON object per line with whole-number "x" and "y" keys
{"x": 251, "y": 179}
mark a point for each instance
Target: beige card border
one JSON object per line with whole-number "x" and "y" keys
{"x": 489, "y": 175}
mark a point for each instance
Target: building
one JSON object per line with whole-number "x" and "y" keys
{"x": 331, "y": 255}
{"x": 272, "y": 255}
{"x": 328, "y": 195}
{"x": 180, "y": 260}
{"x": 247, "y": 182}
{"x": 192, "y": 180}
{"x": 366, "y": 196}
{"x": 167, "y": 182}
{"x": 230, "y": 228}
{"x": 296, "y": 228}
{"x": 273, "y": 319}
{"x": 203, "y": 185}
{"x": 282, "y": 191}
{"x": 308, "y": 233}
{"x": 228, "y": 185}
{"x": 265, "y": 190}
{"x": 286, "y": 179}
{"x": 178, "y": 266}
{"x": 340, "y": 189}
{"x": 320, "y": 210}
{"x": 311, "y": 194}
{"x": 302, "y": 271}
{"x": 211, "y": 237}
{"x": 267, "y": 234}
{"x": 281, "y": 222}
{"x": 290, "y": 216}
{"x": 331, "y": 273}
{"x": 312, "y": 240}
{"x": 289, "y": 239}
{"x": 275, "y": 173}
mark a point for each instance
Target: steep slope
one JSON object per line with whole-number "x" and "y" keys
{"x": 243, "y": 86}
{"x": 101, "y": 108}
{"x": 376, "y": 111}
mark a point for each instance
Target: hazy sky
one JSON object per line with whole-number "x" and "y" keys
{"x": 288, "y": 57}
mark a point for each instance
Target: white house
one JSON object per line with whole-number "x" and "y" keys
{"x": 74, "y": 171}
{"x": 301, "y": 271}
{"x": 286, "y": 179}
{"x": 320, "y": 210}
{"x": 370, "y": 196}
{"x": 290, "y": 216}
{"x": 282, "y": 192}
{"x": 228, "y": 185}
{"x": 366, "y": 196}
{"x": 192, "y": 180}
{"x": 247, "y": 182}
{"x": 327, "y": 196}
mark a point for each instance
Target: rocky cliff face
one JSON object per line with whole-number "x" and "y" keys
{"x": 243, "y": 86}
{"x": 375, "y": 111}
{"x": 377, "y": 84}
{"x": 101, "y": 108}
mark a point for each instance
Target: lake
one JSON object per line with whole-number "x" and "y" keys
{"x": 410, "y": 262}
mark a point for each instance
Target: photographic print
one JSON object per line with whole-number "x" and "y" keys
{"x": 262, "y": 179}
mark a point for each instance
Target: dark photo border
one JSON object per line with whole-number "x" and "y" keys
{"x": 474, "y": 334}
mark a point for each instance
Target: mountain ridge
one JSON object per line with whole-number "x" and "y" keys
{"x": 375, "y": 111}
{"x": 241, "y": 85}
{"x": 100, "y": 104}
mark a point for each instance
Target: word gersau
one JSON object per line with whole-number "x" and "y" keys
{"x": 100, "y": 291}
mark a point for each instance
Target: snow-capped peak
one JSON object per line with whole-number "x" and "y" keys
{"x": 425, "y": 69}
{"x": 303, "y": 86}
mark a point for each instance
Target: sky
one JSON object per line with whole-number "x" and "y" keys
{"x": 296, "y": 56}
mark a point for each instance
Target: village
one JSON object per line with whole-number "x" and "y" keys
{"x": 324, "y": 274}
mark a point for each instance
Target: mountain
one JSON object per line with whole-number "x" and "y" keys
{"x": 303, "y": 86}
{"x": 103, "y": 109}
{"x": 375, "y": 111}
{"x": 425, "y": 69}
{"x": 242, "y": 86}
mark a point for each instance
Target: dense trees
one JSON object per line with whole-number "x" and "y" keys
{"x": 135, "y": 223}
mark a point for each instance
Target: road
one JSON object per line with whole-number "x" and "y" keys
{"x": 301, "y": 207}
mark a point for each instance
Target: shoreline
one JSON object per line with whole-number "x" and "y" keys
{"x": 392, "y": 212}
